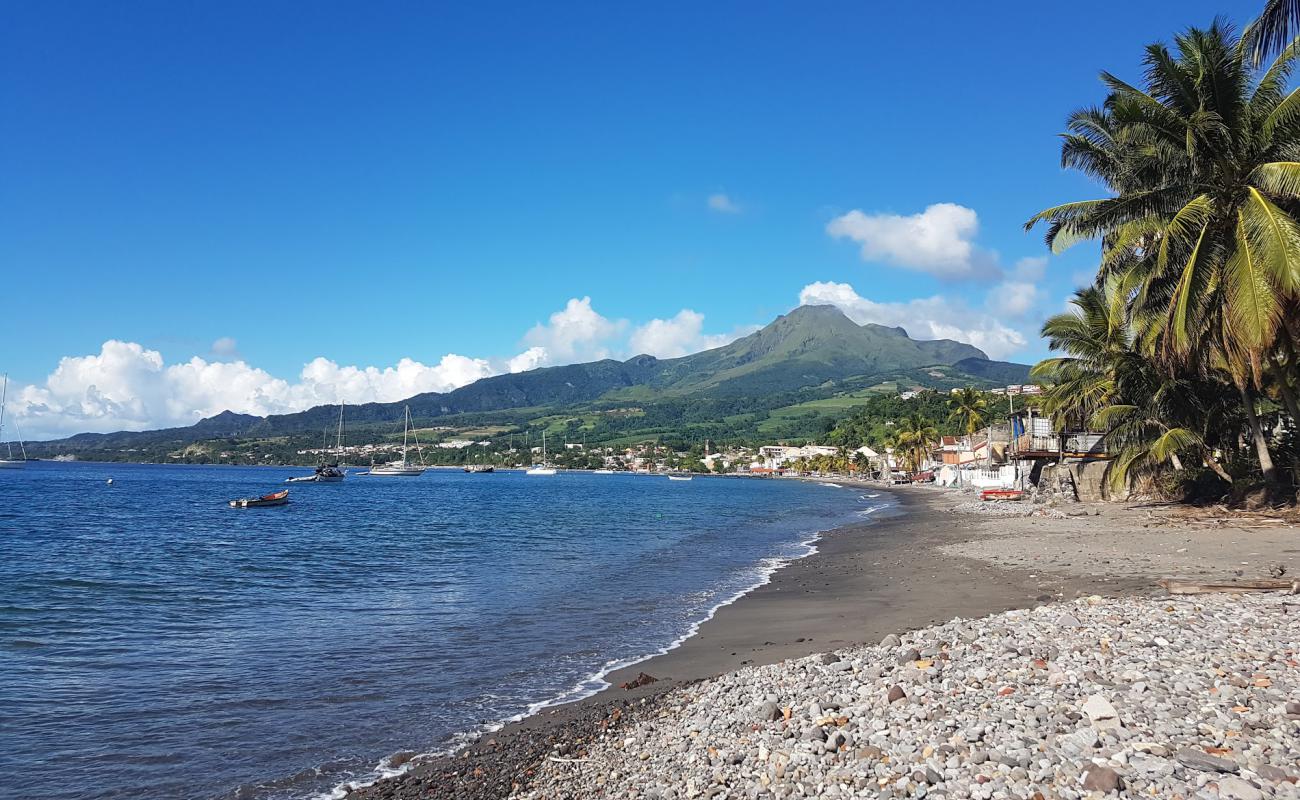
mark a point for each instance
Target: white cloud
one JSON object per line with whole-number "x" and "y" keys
{"x": 723, "y": 204}
{"x": 939, "y": 240}
{"x": 225, "y": 347}
{"x": 128, "y": 387}
{"x": 680, "y": 335}
{"x": 576, "y": 333}
{"x": 923, "y": 318}
{"x": 1014, "y": 298}
{"x": 532, "y": 358}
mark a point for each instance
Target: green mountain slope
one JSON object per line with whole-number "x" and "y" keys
{"x": 807, "y": 347}
{"x": 811, "y": 352}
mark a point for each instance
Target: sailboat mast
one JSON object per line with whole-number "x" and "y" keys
{"x": 338, "y": 441}
{"x": 406, "y": 426}
{"x": 4, "y": 394}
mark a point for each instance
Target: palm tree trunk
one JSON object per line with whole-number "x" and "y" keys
{"x": 1216, "y": 467}
{"x": 1284, "y": 388}
{"x": 1257, "y": 434}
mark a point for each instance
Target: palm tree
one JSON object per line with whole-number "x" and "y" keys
{"x": 861, "y": 463}
{"x": 916, "y": 435}
{"x": 1277, "y": 25}
{"x": 1106, "y": 382}
{"x": 1204, "y": 164}
{"x": 967, "y": 408}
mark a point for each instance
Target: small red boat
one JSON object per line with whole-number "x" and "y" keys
{"x": 1001, "y": 494}
{"x": 274, "y": 499}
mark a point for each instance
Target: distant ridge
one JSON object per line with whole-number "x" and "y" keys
{"x": 811, "y": 346}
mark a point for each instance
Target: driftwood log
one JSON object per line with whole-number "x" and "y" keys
{"x": 1176, "y": 586}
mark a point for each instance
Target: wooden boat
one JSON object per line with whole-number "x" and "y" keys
{"x": 1001, "y": 494}
{"x": 679, "y": 477}
{"x": 274, "y": 499}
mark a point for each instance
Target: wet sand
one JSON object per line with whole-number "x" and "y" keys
{"x": 885, "y": 575}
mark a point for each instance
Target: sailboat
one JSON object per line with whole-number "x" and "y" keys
{"x": 403, "y": 468}
{"x": 542, "y": 468}
{"x": 9, "y": 462}
{"x": 325, "y": 472}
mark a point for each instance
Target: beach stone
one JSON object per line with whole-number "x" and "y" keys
{"x": 1234, "y": 788}
{"x": 1100, "y": 712}
{"x": 1097, "y": 778}
{"x": 891, "y": 641}
{"x": 1078, "y": 744}
{"x": 828, "y": 658}
{"x": 401, "y": 757}
{"x": 1068, "y": 620}
{"x": 1199, "y": 759}
{"x": 908, "y": 656}
{"x": 769, "y": 712}
{"x": 895, "y": 694}
{"x": 1271, "y": 773}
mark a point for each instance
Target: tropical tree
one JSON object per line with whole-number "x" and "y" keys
{"x": 1201, "y": 233}
{"x": 915, "y": 435}
{"x": 861, "y": 464}
{"x": 1277, "y": 25}
{"x": 1106, "y": 382}
{"x": 967, "y": 408}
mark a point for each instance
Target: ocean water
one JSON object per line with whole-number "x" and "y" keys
{"x": 155, "y": 643}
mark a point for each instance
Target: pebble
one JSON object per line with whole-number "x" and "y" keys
{"x": 1234, "y": 788}
{"x": 1028, "y": 704}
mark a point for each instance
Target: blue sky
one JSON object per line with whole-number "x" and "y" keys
{"x": 365, "y": 183}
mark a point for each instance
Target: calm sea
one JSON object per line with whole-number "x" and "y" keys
{"x": 155, "y": 643}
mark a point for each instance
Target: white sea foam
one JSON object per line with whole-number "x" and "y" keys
{"x": 592, "y": 684}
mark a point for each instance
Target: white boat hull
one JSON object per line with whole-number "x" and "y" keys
{"x": 397, "y": 472}
{"x": 6, "y": 463}
{"x": 540, "y": 471}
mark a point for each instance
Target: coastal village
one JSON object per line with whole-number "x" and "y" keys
{"x": 1022, "y": 449}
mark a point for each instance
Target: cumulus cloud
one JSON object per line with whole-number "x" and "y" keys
{"x": 940, "y": 240}
{"x": 723, "y": 204}
{"x": 126, "y": 386}
{"x": 532, "y": 358}
{"x": 576, "y": 332}
{"x": 680, "y": 335}
{"x": 923, "y": 318}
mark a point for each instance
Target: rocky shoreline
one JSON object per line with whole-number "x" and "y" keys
{"x": 911, "y": 569}
{"x": 1140, "y": 697}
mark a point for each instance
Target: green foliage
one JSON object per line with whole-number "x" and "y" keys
{"x": 1190, "y": 328}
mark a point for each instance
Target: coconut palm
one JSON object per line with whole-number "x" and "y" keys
{"x": 1204, "y": 163}
{"x": 967, "y": 407}
{"x": 916, "y": 435}
{"x": 1105, "y": 381}
{"x": 1277, "y": 25}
